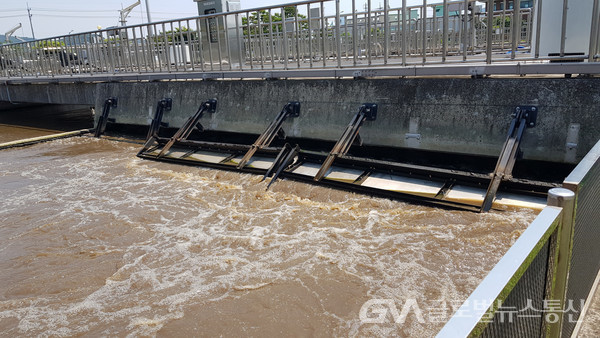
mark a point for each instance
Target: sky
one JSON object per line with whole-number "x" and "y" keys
{"x": 61, "y": 17}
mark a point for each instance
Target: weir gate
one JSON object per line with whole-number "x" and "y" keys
{"x": 428, "y": 103}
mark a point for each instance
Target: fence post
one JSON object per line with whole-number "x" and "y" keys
{"x": 490, "y": 27}
{"x": 338, "y": 50}
{"x": 563, "y": 30}
{"x": 594, "y": 32}
{"x": 564, "y": 198}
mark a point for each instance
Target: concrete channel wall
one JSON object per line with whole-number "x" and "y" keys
{"x": 442, "y": 114}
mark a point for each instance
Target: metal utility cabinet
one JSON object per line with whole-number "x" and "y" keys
{"x": 219, "y": 32}
{"x": 564, "y": 32}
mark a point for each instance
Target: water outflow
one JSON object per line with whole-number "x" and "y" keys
{"x": 95, "y": 240}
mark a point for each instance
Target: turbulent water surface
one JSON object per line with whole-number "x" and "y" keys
{"x": 96, "y": 241}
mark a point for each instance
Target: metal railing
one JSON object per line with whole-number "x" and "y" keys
{"x": 541, "y": 285}
{"x": 296, "y": 36}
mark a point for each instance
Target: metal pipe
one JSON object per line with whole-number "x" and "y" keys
{"x": 538, "y": 28}
{"x": 144, "y": 56}
{"x": 4, "y": 65}
{"x": 239, "y": 41}
{"x": 150, "y": 40}
{"x": 219, "y": 52}
{"x": 404, "y": 33}
{"x": 424, "y": 29}
{"x": 337, "y": 33}
{"x": 66, "y": 55}
{"x": 96, "y": 60}
{"x": 166, "y": 48}
{"x": 73, "y": 40}
{"x": 563, "y": 29}
{"x": 514, "y": 30}
{"x": 21, "y": 60}
{"x": 594, "y": 31}
{"x": 129, "y": 54}
{"x": 355, "y": 32}
{"x": 183, "y": 44}
{"x": 310, "y": 42}
{"x": 345, "y": 39}
{"x": 297, "y": 29}
{"x": 259, "y": 32}
{"x": 386, "y": 32}
{"x": 249, "y": 37}
{"x": 173, "y": 47}
{"x": 434, "y": 32}
{"x": 490, "y": 27}
{"x": 368, "y": 49}
{"x": 227, "y": 44}
{"x": 465, "y": 28}
{"x": 472, "y": 32}
{"x": 200, "y": 48}
{"x": 445, "y": 31}
{"x": 518, "y": 24}
{"x": 503, "y": 25}
{"x": 34, "y": 60}
{"x": 190, "y": 43}
{"x": 324, "y": 34}
{"x": 30, "y": 69}
{"x": 137, "y": 56}
{"x": 111, "y": 60}
{"x": 286, "y": 51}
{"x": 271, "y": 42}
{"x": 565, "y": 199}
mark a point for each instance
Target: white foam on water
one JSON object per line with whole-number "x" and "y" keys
{"x": 207, "y": 235}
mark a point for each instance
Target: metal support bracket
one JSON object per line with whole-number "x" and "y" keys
{"x": 164, "y": 104}
{"x": 188, "y": 127}
{"x": 285, "y": 158}
{"x": 109, "y": 103}
{"x": 291, "y": 109}
{"x": 523, "y": 117}
{"x": 367, "y": 112}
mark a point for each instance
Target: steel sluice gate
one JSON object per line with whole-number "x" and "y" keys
{"x": 338, "y": 168}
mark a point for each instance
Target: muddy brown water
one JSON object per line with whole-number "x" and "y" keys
{"x": 94, "y": 241}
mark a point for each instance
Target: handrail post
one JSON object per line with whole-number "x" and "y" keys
{"x": 337, "y": 34}
{"x": 386, "y": 31}
{"x": 516, "y": 28}
{"x": 563, "y": 29}
{"x": 404, "y": 31}
{"x": 445, "y": 31}
{"x": 594, "y": 31}
{"x": 538, "y": 27}
{"x": 564, "y": 198}
{"x": 490, "y": 27}
{"x": 465, "y": 29}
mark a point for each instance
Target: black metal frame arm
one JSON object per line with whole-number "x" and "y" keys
{"x": 367, "y": 112}
{"x": 523, "y": 117}
{"x": 161, "y": 106}
{"x": 291, "y": 109}
{"x": 209, "y": 106}
{"x": 110, "y": 102}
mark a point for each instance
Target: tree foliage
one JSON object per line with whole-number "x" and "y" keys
{"x": 262, "y": 17}
{"x": 177, "y": 35}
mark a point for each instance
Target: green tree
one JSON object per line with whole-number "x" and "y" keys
{"x": 262, "y": 17}
{"x": 498, "y": 22}
{"x": 177, "y": 35}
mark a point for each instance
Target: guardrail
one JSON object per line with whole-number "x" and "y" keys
{"x": 544, "y": 281}
{"x": 297, "y": 36}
